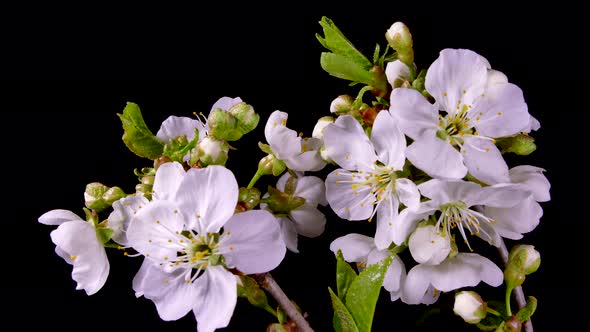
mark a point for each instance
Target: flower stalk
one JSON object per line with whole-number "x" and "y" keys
{"x": 272, "y": 287}
{"x": 518, "y": 292}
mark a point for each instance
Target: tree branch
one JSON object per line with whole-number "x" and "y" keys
{"x": 270, "y": 285}
{"x": 518, "y": 292}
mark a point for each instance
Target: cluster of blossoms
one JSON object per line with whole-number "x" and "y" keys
{"x": 423, "y": 162}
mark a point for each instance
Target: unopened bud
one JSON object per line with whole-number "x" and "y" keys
{"x": 399, "y": 38}
{"x": 521, "y": 144}
{"x": 271, "y": 165}
{"x": 525, "y": 256}
{"x": 146, "y": 176}
{"x": 223, "y": 125}
{"x": 323, "y": 122}
{"x": 470, "y": 307}
{"x": 248, "y": 198}
{"x": 514, "y": 276}
{"x": 341, "y": 105}
{"x": 212, "y": 151}
{"x": 98, "y": 197}
{"x": 246, "y": 117}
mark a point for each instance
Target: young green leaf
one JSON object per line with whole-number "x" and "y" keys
{"x": 137, "y": 136}
{"x": 335, "y": 41}
{"x": 363, "y": 294}
{"x": 342, "y": 67}
{"x": 528, "y": 310}
{"x": 345, "y": 275}
{"x": 343, "y": 321}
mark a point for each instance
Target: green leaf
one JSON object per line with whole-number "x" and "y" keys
{"x": 104, "y": 234}
{"x": 335, "y": 41}
{"x": 343, "y": 321}
{"x": 363, "y": 294}
{"x": 342, "y": 67}
{"x": 180, "y": 147}
{"x": 521, "y": 144}
{"x": 345, "y": 275}
{"x": 528, "y": 310}
{"x": 137, "y": 136}
{"x": 250, "y": 290}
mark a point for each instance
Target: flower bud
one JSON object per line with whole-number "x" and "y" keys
{"x": 525, "y": 257}
{"x": 248, "y": 198}
{"x": 341, "y": 105}
{"x": 399, "y": 38}
{"x": 513, "y": 325}
{"x": 521, "y": 144}
{"x": 323, "y": 122}
{"x": 514, "y": 276}
{"x": 212, "y": 151}
{"x": 246, "y": 117}
{"x": 470, "y": 307}
{"x": 271, "y": 165}
{"x": 98, "y": 197}
{"x": 223, "y": 125}
{"x": 146, "y": 176}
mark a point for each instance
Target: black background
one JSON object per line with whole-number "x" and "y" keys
{"x": 69, "y": 70}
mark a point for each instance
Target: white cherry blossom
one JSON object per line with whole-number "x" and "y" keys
{"x": 478, "y": 104}
{"x": 368, "y": 182}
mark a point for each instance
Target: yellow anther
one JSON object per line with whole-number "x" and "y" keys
{"x": 166, "y": 281}
{"x": 445, "y": 94}
{"x": 284, "y": 122}
{"x": 73, "y": 257}
{"x": 165, "y": 258}
{"x": 231, "y": 248}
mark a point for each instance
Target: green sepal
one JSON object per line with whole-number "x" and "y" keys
{"x": 521, "y": 144}
{"x": 345, "y": 275}
{"x": 278, "y": 167}
{"x": 363, "y": 293}
{"x": 250, "y": 290}
{"x": 265, "y": 148}
{"x": 104, "y": 234}
{"x": 180, "y": 147}
{"x": 282, "y": 203}
{"x": 137, "y": 136}
{"x": 528, "y": 310}
{"x": 335, "y": 41}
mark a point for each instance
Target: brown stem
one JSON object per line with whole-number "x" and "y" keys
{"x": 270, "y": 285}
{"x": 518, "y": 292}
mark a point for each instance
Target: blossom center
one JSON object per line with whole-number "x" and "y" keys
{"x": 452, "y": 127}
{"x": 376, "y": 185}
{"x": 459, "y": 215}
